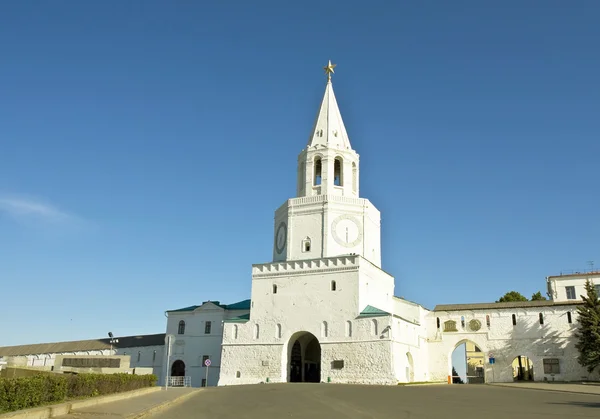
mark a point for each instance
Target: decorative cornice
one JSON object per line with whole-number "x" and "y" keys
{"x": 306, "y": 267}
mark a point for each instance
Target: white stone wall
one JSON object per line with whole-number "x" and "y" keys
{"x": 335, "y": 225}
{"x": 553, "y": 339}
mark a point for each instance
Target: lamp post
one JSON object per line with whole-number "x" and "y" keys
{"x": 112, "y": 341}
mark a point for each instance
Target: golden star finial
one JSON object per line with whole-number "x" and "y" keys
{"x": 329, "y": 70}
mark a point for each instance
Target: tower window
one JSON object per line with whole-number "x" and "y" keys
{"x": 514, "y": 319}
{"x": 541, "y": 318}
{"x": 437, "y": 322}
{"x": 569, "y": 318}
{"x": 181, "y": 329}
{"x": 306, "y": 245}
{"x": 333, "y": 286}
{"x": 207, "y": 328}
{"x": 462, "y": 321}
{"x": 256, "y": 331}
{"x": 337, "y": 171}
{"x": 154, "y": 356}
{"x": 487, "y": 320}
{"x": 318, "y": 167}
{"x": 274, "y": 289}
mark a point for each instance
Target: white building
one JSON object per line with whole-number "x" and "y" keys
{"x": 197, "y": 334}
{"x": 142, "y": 353}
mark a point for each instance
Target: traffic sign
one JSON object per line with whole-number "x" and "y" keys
{"x": 207, "y": 362}
{"x": 492, "y": 361}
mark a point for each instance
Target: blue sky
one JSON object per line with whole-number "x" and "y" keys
{"x": 144, "y": 147}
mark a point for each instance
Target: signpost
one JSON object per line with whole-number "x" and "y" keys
{"x": 207, "y": 364}
{"x": 492, "y": 361}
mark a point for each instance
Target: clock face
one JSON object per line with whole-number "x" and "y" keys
{"x": 346, "y": 230}
{"x": 280, "y": 237}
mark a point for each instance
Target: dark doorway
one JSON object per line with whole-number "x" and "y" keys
{"x": 178, "y": 369}
{"x": 304, "y": 359}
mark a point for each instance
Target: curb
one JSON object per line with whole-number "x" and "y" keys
{"x": 545, "y": 389}
{"x": 162, "y": 406}
{"x": 53, "y": 410}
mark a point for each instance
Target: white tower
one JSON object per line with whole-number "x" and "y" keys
{"x": 327, "y": 218}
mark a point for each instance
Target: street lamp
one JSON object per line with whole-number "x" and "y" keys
{"x": 112, "y": 341}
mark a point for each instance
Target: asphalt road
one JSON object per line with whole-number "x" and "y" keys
{"x": 331, "y": 401}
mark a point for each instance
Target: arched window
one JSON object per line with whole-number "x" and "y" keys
{"x": 437, "y": 321}
{"x": 569, "y": 318}
{"x": 354, "y": 177}
{"x": 235, "y": 331}
{"x": 541, "y": 318}
{"x": 278, "y": 331}
{"x": 333, "y": 286}
{"x": 349, "y": 328}
{"x": 337, "y": 171}
{"x": 181, "y": 329}
{"x": 256, "y": 331}
{"x": 514, "y": 319}
{"x": 274, "y": 289}
{"x": 318, "y": 167}
{"x": 306, "y": 244}
{"x": 238, "y": 374}
{"x": 487, "y": 320}
{"x": 374, "y": 327}
{"x": 324, "y": 329}
{"x": 139, "y": 356}
{"x": 462, "y": 321}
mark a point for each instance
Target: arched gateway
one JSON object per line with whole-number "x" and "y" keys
{"x": 304, "y": 358}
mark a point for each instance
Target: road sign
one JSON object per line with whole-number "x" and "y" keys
{"x": 207, "y": 362}
{"x": 492, "y": 361}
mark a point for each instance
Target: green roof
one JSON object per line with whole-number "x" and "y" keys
{"x": 240, "y": 319}
{"x": 240, "y": 305}
{"x": 190, "y": 308}
{"x": 371, "y": 311}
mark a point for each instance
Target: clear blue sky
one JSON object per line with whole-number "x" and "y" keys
{"x": 145, "y": 145}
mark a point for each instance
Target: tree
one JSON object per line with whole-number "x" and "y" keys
{"x": 512, "y": 296}
{"x": 588, "y": 334}
{"x": 538, "y": 297}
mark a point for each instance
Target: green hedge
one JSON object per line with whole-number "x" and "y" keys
{"x": 27, "y": 392}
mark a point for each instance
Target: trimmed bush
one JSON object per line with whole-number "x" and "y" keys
{"x": 27, "y": 392}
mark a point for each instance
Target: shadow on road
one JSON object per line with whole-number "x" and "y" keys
{"x": 582, "y": 404}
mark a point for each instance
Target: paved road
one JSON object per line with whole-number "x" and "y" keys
{"x": 316, "y": 401}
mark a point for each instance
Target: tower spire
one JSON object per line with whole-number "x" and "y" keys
{"x": 329, "y": 129}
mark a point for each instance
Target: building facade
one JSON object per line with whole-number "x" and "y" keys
{"x": 324, "y": 310}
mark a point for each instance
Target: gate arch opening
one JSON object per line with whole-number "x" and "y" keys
{"x": 467, "y": 364}
{"x": 304, "y": 358}
{"x": 522, "y": 367}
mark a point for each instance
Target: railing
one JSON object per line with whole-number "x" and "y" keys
{"x": 578, "y": 272}
{"x": 180, "y": 381}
